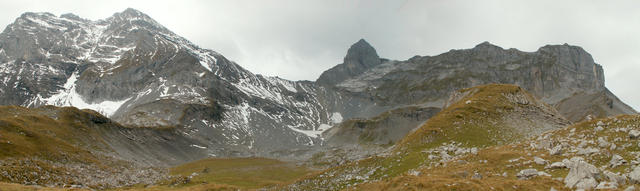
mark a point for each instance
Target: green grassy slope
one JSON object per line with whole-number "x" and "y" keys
{"x": 480, "y": 117}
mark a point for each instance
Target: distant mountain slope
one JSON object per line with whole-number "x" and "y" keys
{"x": 135, "y": 71}
{"x": 556, "y": 74}
{"x": 476, "y": 118}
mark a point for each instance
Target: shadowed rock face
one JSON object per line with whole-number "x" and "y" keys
{"x": 360, "y": 57}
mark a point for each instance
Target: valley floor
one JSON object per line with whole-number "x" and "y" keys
{"x": 212, "y": 174}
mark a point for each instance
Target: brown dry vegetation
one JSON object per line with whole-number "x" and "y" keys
{"x": 457, "y": 175}
{"x": 475, "y": 119}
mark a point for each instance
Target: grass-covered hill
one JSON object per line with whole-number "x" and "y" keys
{"x": 475, "y": 118}
{"x": 598, "y": 154}
{"x": 64, "y": 147}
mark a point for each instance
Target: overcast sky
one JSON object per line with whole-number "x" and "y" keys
{"x": 298, "y": 39}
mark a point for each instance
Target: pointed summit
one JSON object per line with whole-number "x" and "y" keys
{"x": 360, "y": 57}
{"x": 485, "y": 45}
{"x": 72, "y": 16}
{"x": 362, "y": 53}
{"x": 133, "y": 19}
{"x": 132, "y": 14}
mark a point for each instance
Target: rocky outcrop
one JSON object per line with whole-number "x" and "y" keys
{"x": 361, "y": 56}
{"x": 384, "y": 129}
{"x": 564, "y": 76}
{"x": 582, "y": 175}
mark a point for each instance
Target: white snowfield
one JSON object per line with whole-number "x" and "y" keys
{"x": 69, "y": 97}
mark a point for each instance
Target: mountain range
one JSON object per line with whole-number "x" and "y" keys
{"x": 160, "y": 100}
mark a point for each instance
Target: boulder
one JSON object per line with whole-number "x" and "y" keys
{"x": 582, "y": 175}
{"x": 616, "y": 160}
{"x": 630, "y": 188}
{"x": 476, "y": 176}
{"x": 539, "y": 161}
{"x": 527, "y": 173}
{"x": 607, "y": 186}
{"x": 556, "y": 150}
{"x": 613, "y": 177}
{"x": 587, "y": 183}
{"x": 556, "y": 165}
{"x": 634, "y": 134}
{"x": 587, "y": 151}
{"x": 602, "y": 143}
{"x": 474, "y": 151}
{"x": 634, "y": 175}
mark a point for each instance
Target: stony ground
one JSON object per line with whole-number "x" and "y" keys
{"x": 600, "y": 154}
{"x": 474, "y": 144}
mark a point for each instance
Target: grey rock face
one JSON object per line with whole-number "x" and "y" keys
{"x": 137, "y": 72}
{"x": 582, "y": 175}
{"x": 361, "y": 56}
{"x": 561, "y": 75}
{"x": 634, "y": 175}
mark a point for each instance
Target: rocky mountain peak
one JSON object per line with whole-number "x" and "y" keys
{"x": 486, "y": 44}
{"x": 362, "y": 52}
{"x": 131, "y": 19}
{"x": 567, "y": 50}
{"x": 486, "y": 48}
{"x": 35, "y": 14}
{"x": 578, "y": 60}
{"x": 360, "y": 57}
{"x": 72, "y": 16}
{"x": 131, "y": 13}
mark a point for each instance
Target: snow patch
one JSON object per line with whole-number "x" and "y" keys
{"x": 198, "y": 146}
{"x": 289, "y": 85}
{"x": 310, "y": 133}
{"x": 336, "y": 118}
{"x": 69, "y": 97}
{"x": 46, "y": 24}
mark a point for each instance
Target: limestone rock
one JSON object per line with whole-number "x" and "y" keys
{"x": 634, "y": 176}
{"x": 527, "y": 173}
{"x": 616, "y": 160}
{"x": 630, "y": 188}
{"x": 581, "y": 174}
{"x": 556, "y": 165}
{"x": 607, "y": 186}
{"x": 634, "y": 134}
{"x": 556, "y": 150}
{"x": 539, "y": 161}
{"x": 613, "y": 177}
